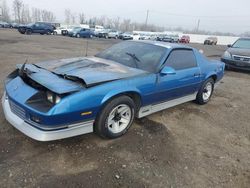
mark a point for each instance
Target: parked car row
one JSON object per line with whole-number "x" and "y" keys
{"x": 100, "y": 32}
{"x": 9, "y": 25}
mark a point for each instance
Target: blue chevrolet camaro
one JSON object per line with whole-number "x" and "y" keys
{"x": 103, "y": 94}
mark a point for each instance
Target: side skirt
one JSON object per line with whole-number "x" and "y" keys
{"x": 150, "y": 109}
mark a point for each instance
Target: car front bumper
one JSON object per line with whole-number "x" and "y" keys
{"x": 42, "y": 135}
{"x": 236, "y": 65}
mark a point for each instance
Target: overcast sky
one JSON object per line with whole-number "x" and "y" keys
{"x": 214, "y": 15}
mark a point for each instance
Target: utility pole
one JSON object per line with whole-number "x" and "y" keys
{"x": 147, "y": 19}
{"x": 198, "y": 25}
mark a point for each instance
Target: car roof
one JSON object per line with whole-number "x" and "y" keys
{"x": 244, "y": 38}
{"x": 163, "y": 44}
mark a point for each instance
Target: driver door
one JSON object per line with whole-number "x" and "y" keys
{"x": 186, "y": 79}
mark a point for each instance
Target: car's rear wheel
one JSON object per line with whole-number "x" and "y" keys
{"x": 115, "y": 118}
{"x": 77, "y": 35}
{"x": 54, "y": 33}
{"x": 205, "y": 92}
{"x": 48, "y": 32}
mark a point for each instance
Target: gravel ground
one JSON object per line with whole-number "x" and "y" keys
{"x": 185, "y": 146}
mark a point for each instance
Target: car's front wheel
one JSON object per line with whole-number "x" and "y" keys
{"x": 28, "y": 32}
{"x": 205, "y": 92}
{"x": 115, "y": 118}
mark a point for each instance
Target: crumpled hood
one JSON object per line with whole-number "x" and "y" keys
{"x": 91, "y": 71}
{"x": 239, "y": 51}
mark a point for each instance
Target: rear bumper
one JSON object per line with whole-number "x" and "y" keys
{"x": 236, "y": 64}
{"x": 41, "y": 135}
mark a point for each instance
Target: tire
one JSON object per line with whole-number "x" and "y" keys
{"x": 111, "y": 125}
{"x": 91, "y": 36}
{"x": 227, "y": 68}
{"x": 28, "y": 32}
{"x": 54, "y": 33}
{"x": 205, "y": 92}
{"x": 78, "y": 35}
{"x": 48, "y": 32}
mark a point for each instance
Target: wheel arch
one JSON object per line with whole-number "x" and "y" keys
{"x": 134, "y": 95}
{"x": 213, "y": 76}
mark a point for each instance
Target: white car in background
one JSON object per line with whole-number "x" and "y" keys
{"x": 113, "y": 34}
{"x": 145, "y": 37}
{"x": 97, "y": 29}
{"x": 58, "y": 31}
{"x": 136, "y": 36}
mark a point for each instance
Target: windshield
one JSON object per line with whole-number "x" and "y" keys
{"x": 76, "y": 29}
{"x": 242, "y": 43}
{"x": 135, "y": 54}
{"x": 30, "y": 24}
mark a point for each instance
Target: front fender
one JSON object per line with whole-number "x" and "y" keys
{"x": 117, "y": 92}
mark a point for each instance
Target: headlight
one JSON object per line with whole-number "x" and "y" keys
{"x": 50, "y": 97}
{"x": 53, "y": 98}
{"x": 57, "y": 99}
{"x": 227, "y": 55}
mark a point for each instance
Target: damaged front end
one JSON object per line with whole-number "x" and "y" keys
{"x": 35, "y": 102}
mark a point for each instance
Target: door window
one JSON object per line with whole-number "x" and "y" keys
{"x": 181, "y": 59}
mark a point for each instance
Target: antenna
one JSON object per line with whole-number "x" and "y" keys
{"x": 87, "y": 46}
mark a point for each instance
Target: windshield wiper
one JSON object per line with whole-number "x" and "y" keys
{"x": 135, "y": 58}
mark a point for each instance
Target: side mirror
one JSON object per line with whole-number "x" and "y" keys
{"x": 229, "y": 45}
{"x": 168, "y": 71}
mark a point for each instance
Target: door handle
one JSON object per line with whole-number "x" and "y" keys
{"x": 197, "y": 74}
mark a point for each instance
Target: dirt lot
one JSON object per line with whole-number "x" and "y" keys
{"x": 185, "y": 146}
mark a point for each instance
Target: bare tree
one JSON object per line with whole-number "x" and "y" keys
{"x": 70, "y": 18}
{"x": 126, "y": 25}
{"x": 47, "y": 16}
{"x": 73, "y": 19}
{"x": 116, "y": 23}
{"x": 25, "y": 14}
{"x": 36, "y": 14}
{"x": 5, "y": 13}
{"x": 17, "y": 7}
{"x": 67, "y": 13}
{"x": 82, "y": 18}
